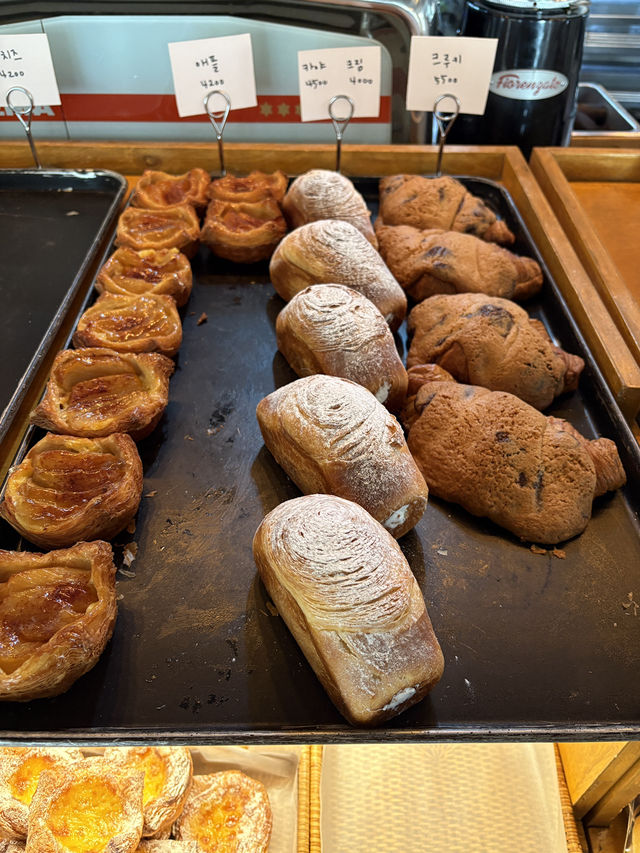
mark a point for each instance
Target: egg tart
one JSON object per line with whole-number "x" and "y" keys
{"x": 94, "y": 392}
{"x": 165, "y": 271}
{"x": 89, "y": 807}
{"x": 57, "y": 613}
{"x": 254, "y": 187}
{"x": 167, "y": 778}
{"x": 228, "y": 812}
{"x": 174, "y": 227}
{"x": 244, "y": 232}
{"x": 158, "y": 190}
{"x": 19, "y": 774}
{"x": 70, "y": 489}
{"x": 147, "y": 323}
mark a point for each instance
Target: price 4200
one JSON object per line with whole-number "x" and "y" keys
{"x": 11, "y": 74}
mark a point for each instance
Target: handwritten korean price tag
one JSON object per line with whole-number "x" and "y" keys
{"x": 456, "y": 65}
{"x": 339, "y": 71}
{"x": 202, "y": 65}
{"x": 25, "y": 60}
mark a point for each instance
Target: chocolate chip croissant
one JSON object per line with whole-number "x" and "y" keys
{"x": 502, "y": 459}
{"x": 329, "y": 328}
{"x": 437, "y": 261}
{"x": 492, "y": 342}
{"x": 321, "y": 194}
{"x": 333, "y": 251}
{"x": 439, "y": 203}
{"x": 332, "y": 436}
{"x": 69, "y": 489}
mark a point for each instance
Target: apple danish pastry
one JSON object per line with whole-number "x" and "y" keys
{"x": 19, "y": 774}
{"x": 163, "y": 271}
{"x": 227, "y": 811}
{"x": 321, "y": 194}
{"x": 94, "y": 392}
{"x": 174, "y": 227}
{"x": 253, "y": 187}
{"x": 57, "y": 613}
{"x": 147, "y": 323}
{"x": 329, "y": 328}
{"x": 88, "y": 807}
{"x": 167, "y": 777}
{"x": 244, "y": 232}
{"x": 159, "y": 191}
{"x": 70, "y": 489}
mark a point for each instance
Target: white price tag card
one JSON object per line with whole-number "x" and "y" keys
{"x": 450, "y": 65}
{"x": 352, "y": 71}
{"x": 25, "y": 60}
{"x": 202, "y": 65}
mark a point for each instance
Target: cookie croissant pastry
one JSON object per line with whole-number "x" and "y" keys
{"x": 332, "y": 251}
{"x": 439, "y": 203}
{"x": 437, "y": 261}
{"x": 488, "y": 341}
{"x": 332, "y": 436}
{"x": 329, "y": 328}
{"x": 70, "y": 489}
{"x": 161, "y": 271}
{"x": 502, "y": 459}
{"x": 95, "y": 392}
{"x": 321, "y": 194}
{"x": 57, "y": 612}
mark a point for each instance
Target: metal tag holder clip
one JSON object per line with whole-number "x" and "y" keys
{"x": 445, "y": 122}
{"x": 218, "y": 119}
{"x": 340, "y": 122}
{"x": 24, "y": 114}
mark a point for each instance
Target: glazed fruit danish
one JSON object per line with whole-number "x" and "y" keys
{"x": 94, "y": 392}
{"x": 253, "y": 187}
{"x": 147, "y": 323}
{"x": 161, "y": 271}
{"x": 167, "y": 777}
{"x": 57, "y": 613}
{"x": 244, "y": 232}
{"x": 88, "y": 807}
{"x": 174, "y": 227}
{"x": 159, "y": 190}
{"x": 70, "y": 489}
{"x": 226, "y": 811}
{"x": 20, "y": 770}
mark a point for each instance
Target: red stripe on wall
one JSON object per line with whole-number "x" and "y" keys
{"x": 272, "y": 109}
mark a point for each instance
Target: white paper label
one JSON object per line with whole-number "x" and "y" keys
{"x": 528, "y": 84}
{"x": 352, "y": 71}
{"x": 25, "y": 60}
{"x": 450, "y": 65}
{"x": 202, "y": 65}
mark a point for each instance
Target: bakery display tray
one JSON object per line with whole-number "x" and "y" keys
{"x": 536, "y": 645}
{"x": 52, "y": 225}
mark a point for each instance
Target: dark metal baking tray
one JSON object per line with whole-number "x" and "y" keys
{"x": 52, "y": 225}
{"x": 536, "y": 647}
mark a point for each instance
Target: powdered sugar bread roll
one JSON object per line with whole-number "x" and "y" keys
{"x": 335, "y": 251}
{"x": 329, "y": 328}
{"x": 323, "y": 194}
{"x": 332, "y": 436}
{"x": 347, "y": 594}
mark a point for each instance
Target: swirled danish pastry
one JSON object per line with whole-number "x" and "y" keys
{"x": 167, "y": 777}
{"x": 162, "y": 271}
{"x": 88, "y": 807}
{"x": 322, "y": 194}
{"x": 329, "y": 328}
{"x": 94, "y": 392}
{"x": 347, "y": 594}
{"x": 159, "y": 190}
{"x": 57, "y": 613}
{"x": 147, "y": 323}
{"x": 70, "y": 489}
{"x": 332, "y": 436}
{"x": 334, "y": 251}
{"x": 20, "y": 769}
{"x": 244, "y": 232}
{"x": 253, "y": 187}
{"x": 227, "y": 811}
{"x": 174, "y": 227}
